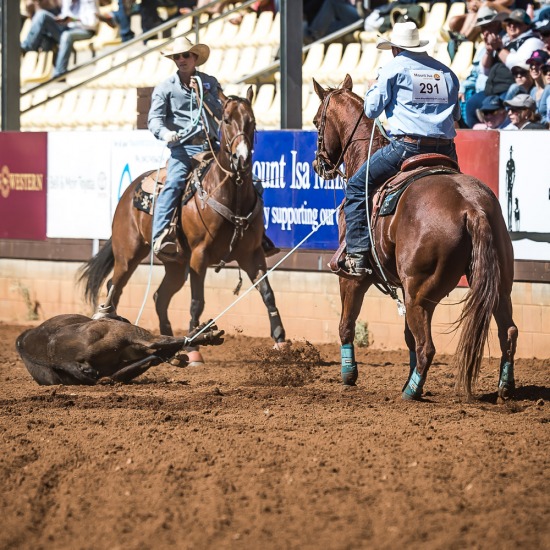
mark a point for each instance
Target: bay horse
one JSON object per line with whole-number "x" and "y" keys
{"x": 445, "y": 225}
{"x": 222, "y": 222}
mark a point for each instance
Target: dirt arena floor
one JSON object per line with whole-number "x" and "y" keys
{"x": 257, "y": 453}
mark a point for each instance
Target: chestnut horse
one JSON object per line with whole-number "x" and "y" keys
{"x": 221, "y": 223}
{"x": 445, "y": 225}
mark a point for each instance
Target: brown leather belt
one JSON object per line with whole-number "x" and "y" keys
{"x": 430, "y": 142}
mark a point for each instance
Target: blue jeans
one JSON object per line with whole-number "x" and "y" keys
{"x": 333, "y": 15}
{"x": 384, "y": 164}
{"x": 179, "y": 167}
{"x": 45, "y": 27}
{"x": 123, "y": 21}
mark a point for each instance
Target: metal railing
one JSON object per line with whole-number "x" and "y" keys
{"x": 129, "y": 44}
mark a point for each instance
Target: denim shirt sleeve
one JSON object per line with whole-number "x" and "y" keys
{"x": 157, "y": 113}
{"x": 379, "y": 95}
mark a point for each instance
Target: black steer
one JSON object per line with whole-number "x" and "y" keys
{"x": 74, "y": 349}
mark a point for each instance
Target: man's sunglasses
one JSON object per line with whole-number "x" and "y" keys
{"x": 185, "y": 55}
{"x": 520, "y": 73}
{"x": 491, "y": 112}
{"x": 545, "y": 70}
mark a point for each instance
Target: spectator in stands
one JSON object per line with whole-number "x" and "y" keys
{"x": 523, "y": 82}
{"x": 492, "y": 77}
{"x": 493, "y": 115}
{"x": 174, "y": 118}
{"x": 462, "y": 27}
{"x": 258, "y": 7}
{"x": 332, "y": 16}
{"x": 544, "y": 105}
{"x": 78, "y": 20}
{"x": 537, "y": 60}
{"x": 122, "y": 18}
{"x": 522, "y": 40}
{"x": 423, "y": 126}
{"x": 522, "y": 113}
{"x": 543, "y": 30}
{"x": 32, "y": 6}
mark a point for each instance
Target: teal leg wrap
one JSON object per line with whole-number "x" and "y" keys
{"x": 506, "y": 380}
{"x": 349, "y": 366}
{"x": 414, "y": 387}
{"x": 412, "y": 366}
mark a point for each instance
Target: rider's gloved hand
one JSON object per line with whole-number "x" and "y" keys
{"x": 170, "y": 137}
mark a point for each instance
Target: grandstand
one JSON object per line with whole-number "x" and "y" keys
{"x": 101, "y": 89}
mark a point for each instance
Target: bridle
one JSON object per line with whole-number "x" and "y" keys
{"x": 325, "y": 167}
{"x": 229, "y": 143}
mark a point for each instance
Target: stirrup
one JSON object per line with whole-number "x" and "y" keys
{"x": 355, "y": 265}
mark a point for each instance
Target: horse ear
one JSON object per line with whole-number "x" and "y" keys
{"x": 318, "y": 89}
{"x": 348, "y": 83}
{"x": 250, "y": 94}
{"x": 221, "y": 96}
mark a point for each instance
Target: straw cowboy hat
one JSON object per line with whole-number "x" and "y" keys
{"x": 404, "y": 36}
{"x": 183, "y": 44}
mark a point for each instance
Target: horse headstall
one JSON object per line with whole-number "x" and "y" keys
{"x": 324, "y": 166}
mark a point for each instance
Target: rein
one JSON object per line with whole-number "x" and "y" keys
{"x": 321, "y": 154}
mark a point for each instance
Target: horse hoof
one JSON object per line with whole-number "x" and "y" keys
{"x": 410, "y": 397}
{"x": 195, "y": 359}
{"x": 349, "y": 377}
{"x": 280, "y": 346}
{"x": 504, "y": 394}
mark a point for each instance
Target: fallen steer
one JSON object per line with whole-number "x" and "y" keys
{"x": 74, "y": 349}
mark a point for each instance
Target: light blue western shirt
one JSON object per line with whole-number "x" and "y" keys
{"x": 393, "y": 93}
{"x": 176, "y": 107}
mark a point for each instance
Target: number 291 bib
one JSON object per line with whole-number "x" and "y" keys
{"x": 429, "y": 87}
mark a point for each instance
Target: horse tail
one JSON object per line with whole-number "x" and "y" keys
{"x": 484, "y": 279}
{"x": 95, "y": 271}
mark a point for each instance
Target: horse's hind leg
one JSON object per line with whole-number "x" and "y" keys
{"x": 507, "y": 336}
{"x": 419, "y": 321}
{"x": 125, "y": 265}
{"x": 255, "y": 271}
{"x": 174, "y": 278}
{"x": 351, "y": 296}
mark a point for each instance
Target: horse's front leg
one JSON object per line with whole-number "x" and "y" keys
{"x": 411, "y": 344}
{"x": 174, "y": 278}
{"x": 255, "y": 267}
{"x": 197, "y": 276}
{"x": 351, "y": 296}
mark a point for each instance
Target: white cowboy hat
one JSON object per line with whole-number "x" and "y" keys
{"x": 404, "y": 36}
{"x": 183, "y": 44}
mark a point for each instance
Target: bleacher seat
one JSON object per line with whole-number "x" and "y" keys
{"x": 348, "y": 64}
{"x": 331, "y": 60}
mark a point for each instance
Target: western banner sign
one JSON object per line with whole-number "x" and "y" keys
{"x": 23, "y": 170}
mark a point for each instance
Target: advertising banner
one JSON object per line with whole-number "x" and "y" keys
{"x": 78, "y": 185}
{"x": 297, "y": 201}
{"x": 132, "y": 154}
{"x": 85, "y": 187}
{"x": 23, "y": 185}
{"x": 525, "y": 180}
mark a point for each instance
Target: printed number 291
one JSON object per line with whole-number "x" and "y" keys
{"x": 427, "y": 88}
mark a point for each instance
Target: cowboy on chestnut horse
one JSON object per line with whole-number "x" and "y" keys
{"x": 420, "y": 97}
{"x": 185, "y": 113}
